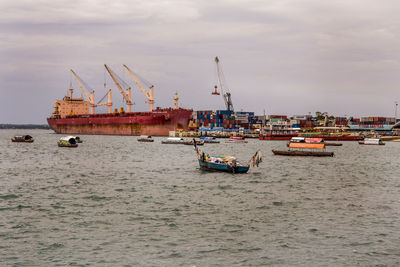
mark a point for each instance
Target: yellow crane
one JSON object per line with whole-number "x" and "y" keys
{"x": 108, "y": 103}
{"x": 90, "y": 98}
{"x": 149, "y": 94}
{"x": 126, "y": 95}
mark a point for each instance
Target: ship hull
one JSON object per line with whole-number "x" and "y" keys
{"x": 277, "y": 137}
{"x": 157, "y": 123}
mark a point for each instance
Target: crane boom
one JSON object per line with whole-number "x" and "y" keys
{"x": 225, "y": 91}
{"x": 91, "y": 97}
{"x": 149, "y": 94}
{"x": 125, "y": 95}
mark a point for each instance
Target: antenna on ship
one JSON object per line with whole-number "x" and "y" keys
{"x": 71, "y": 90}
{"x": 176, "y": 98}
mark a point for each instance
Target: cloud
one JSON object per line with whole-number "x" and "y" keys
{"x": 95, "y": 11}
{"x": 283, "y": 55}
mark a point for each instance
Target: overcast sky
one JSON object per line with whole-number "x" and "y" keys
{"x": 282, "y": 56}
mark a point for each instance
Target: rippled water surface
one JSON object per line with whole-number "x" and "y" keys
{"x": 116, "y": 202}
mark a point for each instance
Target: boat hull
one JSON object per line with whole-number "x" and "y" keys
{"x": 26, "y": 141}
{"x": 303, "y": 153}
{"x": 362, "y": 143}
{"x": 157, "y": 123}
{"x": 277, "y": 137}
{"x": 210, "y": 166}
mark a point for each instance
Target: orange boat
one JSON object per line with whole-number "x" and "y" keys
{"x": 305, "y": 149}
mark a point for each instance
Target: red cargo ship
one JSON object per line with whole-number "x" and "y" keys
{"x": 156, "y": 123}
{"x": 72, "y": 116}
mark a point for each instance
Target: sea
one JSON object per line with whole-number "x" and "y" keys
{"x": 114, "y": 201}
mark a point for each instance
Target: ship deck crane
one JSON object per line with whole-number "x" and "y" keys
{"x": 149, "y": 94}
{"x": 90, "y": 98}
{"x": 224, "y": 90}
{"x": 126, "y": 95}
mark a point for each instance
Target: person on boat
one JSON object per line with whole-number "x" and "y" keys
{"x": 234, "y": 163}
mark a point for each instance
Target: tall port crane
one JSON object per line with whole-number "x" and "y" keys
{"x": 149, "y": 94}
{"x": 224, "y": 90}
{"x": 127, "y": 94}
{"x": 90, "y": 98}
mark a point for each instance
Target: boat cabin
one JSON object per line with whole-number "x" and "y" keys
{"x": 371, "y": 141}
{"x": 67, "y": 141}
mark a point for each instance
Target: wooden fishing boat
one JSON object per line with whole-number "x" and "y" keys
{"x": 145, "y": 138}
{"x": 192, "y": 142}
{"x": 225, "y": 163}
{"x": 22, "y": 139}
{"x": 312, "y": 141}
{"x": 173, "y": 140}
{"x": 236, "y": 139}
{"x": 372, "y": 141}
{"x": 304, "y": 149}
{"x": 67, "y": 141}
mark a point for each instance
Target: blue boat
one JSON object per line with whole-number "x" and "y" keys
{"x": 225, "y": 163}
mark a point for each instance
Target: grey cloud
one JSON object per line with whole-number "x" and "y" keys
{"x": 286, "y": 57}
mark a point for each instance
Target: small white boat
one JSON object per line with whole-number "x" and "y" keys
{"x": 174, "y": 140}
{"x": 67, "y": 141}
{"x": 372, "y": 141}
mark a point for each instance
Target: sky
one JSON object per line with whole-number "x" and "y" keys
{"x": 288, "y": 57}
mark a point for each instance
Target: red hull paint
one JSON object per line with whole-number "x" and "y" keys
{"x": 277, "y": 137}
{"x": 341, "y": 138}
{"x": 156, "y": 123}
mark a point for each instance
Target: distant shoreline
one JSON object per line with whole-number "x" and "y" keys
{"x": 25, "y": 126}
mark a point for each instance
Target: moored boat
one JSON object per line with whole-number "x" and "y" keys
{"x": 304, "y": 149}
{"x": 146, "y": 138}
{"x": 192, "y": 142}
{"x": 372, "y": 141}
{"x": 67, "y": 141}
{"x": 209, "y": 139}
{"x": 278, "y": 134}
{"x": 236, "y": 139}
{"x": 173, "y": 140}
{"x": 22, "y": 139}
{"x": 312, "y": 141}
{"x": 333, "y": 136}
{"x": 226, "y": 163}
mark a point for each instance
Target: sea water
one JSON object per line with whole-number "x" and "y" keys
{"x": 114, "y": 201}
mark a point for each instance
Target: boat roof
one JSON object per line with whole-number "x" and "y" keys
{"x": 372, "y": 140}
{"x": 307, "y": 145}
{"x": 298, "y": 138}
{"x": 314, "y": 140}
{"x": 67, "y": 138}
